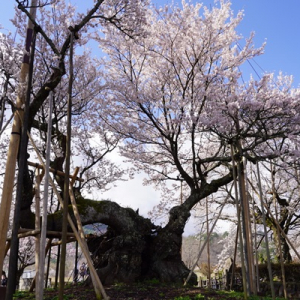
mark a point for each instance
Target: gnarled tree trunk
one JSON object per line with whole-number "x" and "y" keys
{"x": 133, "y": 248}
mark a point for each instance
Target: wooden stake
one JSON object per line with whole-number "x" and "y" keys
{"x": 48, "y": 263}
{"x": 234, "y": 257}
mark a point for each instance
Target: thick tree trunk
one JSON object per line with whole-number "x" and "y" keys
{"x": 140, "y": 255}
{"x": 133, "y": 248}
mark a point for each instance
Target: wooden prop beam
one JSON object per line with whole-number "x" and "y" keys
{"x": 94, "y": 276}
{"x": 56, "y": 172}
{"x": 50, "y": 233}
{"x": 69, "y": 240}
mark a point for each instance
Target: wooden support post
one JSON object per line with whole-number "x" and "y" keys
{"x": 41, "y": 269}
{"x": 50, "y": 233}
{"x": 67, "y": 171}
{"x": 244, "y": 277}
{"x": 278, "y": 232}
{"x": 14, "y": 142}
{"x": 208, "y": 252}
{"x": 38, "y": 179}
{"x": 266, "y": 234}
{"x": 245, "y": 227}
{"x": 255, "y": 247}
{"x": 57, "y": 267}
{"x": 253, "y": 288}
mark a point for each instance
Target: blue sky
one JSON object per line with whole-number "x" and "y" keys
{"x": 275, "y": 21}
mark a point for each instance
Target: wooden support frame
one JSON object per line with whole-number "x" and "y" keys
{"x": 60, "y": 173}
{"x": 97, "y": 283}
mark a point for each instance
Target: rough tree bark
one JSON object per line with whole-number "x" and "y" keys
{"x": 133, "y": 248}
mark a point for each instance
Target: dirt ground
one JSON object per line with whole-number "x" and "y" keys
{"x": 138, "y": 292}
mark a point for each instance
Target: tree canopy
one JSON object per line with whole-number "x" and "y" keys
{"x": 166, "y": 90}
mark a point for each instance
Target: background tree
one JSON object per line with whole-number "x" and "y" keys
{"x": 281, "y": 195}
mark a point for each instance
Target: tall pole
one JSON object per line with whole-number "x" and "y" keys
{"x": 208, "y": 250}
{"x": 255, "y": 239}
{"x": 278, "y": 231}
{"x": 67, "y": 180}
{"x": 38, "y": 179}
{"x": 245, "y": 227}
{"x": 238, "y": 212}
{"x": 249, "y": 229}
{"x": 14, "y": 142}
{"x": 265, "y": 233}
{"x": 13, "y": 258}
{"x": 41, "y": 270}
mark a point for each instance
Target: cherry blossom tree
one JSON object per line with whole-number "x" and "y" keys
{"x": 170, "y": 89}
{"x": 177, "y": 97}
{"x": 92, "y": 141}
